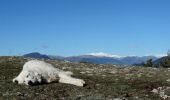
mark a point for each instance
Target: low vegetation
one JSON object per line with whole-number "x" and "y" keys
{"x": 104, "y": 82}
{"x": 166, "y": 62}
{"x": 149, "y": 63}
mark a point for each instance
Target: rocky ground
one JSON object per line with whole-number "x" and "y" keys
{"x": 104, "y": 82}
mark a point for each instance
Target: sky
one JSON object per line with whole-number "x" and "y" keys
{"x": 75, "y": 27}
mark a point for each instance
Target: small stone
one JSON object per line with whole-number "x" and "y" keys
{"x": 82, "y": 72}
{"x": 155, "y": 91}
{"x": 19, "y": 94}
{"x": 168, "y": 80}
{"x": 117, "y": 99}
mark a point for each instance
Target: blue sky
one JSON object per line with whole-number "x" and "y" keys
{"x": 74, "y": 27}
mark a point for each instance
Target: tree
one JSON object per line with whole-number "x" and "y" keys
{"x": 149, "y": 63}
{"x": 166, "y": 62}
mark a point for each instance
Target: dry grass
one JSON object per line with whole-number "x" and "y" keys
{"x": 103, "y": 82}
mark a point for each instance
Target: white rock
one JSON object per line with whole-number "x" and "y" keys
{"x": 168, "y": 80}
{"x": 155, "y": 91}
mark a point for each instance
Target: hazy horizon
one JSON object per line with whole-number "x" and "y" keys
{"x": 94, "y": 54}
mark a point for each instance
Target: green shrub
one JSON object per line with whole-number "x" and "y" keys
{"x": 166, "y": 63}
{"x": 149, "y": 63}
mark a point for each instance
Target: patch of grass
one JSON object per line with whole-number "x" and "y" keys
{"x": 103, "y": 82}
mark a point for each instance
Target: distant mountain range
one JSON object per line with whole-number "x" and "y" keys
{"x": 99, "y": 58}
{"x": 159, "y": 61}
{"x": 37, "y": 55}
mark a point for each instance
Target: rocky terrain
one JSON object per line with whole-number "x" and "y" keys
{"x": 104, "y": 82}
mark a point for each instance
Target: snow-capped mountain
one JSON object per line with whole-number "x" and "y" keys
{"x": 99, "y": 58}
{"x": 101, "y": 54}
